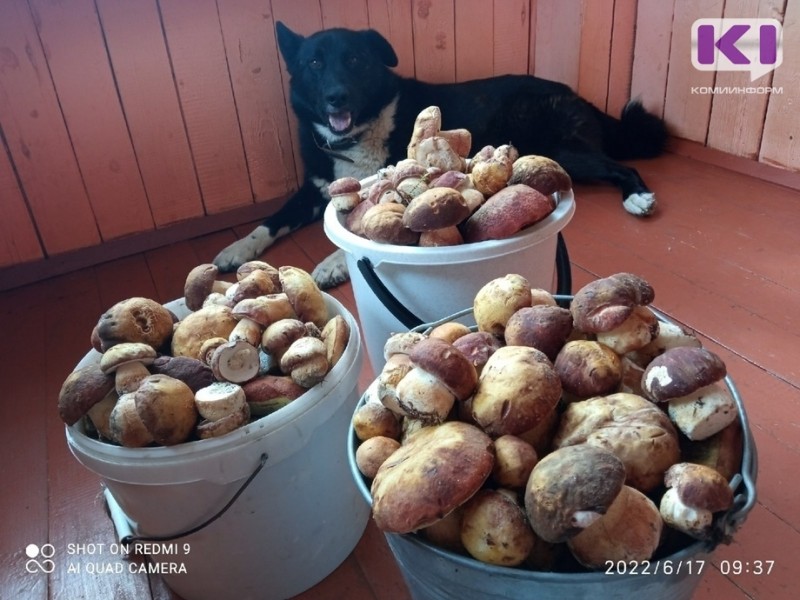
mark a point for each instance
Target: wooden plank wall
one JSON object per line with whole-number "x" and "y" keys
{"x": 122, "y": 117}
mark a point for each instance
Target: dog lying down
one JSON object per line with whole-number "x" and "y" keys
{"x": 355, "y": 116}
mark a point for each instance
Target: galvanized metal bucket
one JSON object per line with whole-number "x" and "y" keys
{"x": 432, "y": 573}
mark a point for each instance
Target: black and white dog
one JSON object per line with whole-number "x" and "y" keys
{"x": 356, "y": 115}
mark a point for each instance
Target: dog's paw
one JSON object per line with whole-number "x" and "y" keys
{"x": 243, "y": 250}
{"x": 641, "y": 205}
{"x": 332, "y": 271}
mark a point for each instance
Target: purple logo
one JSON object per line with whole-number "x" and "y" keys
{"x": 754, "y": 45}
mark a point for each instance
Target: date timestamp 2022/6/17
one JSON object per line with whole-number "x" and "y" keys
{"x": 687, "y": 567}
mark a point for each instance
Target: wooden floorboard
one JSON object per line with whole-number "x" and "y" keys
{"x": 721, "y": 252}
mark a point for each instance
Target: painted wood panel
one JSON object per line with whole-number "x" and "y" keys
{"x": 251, "y": 49}
{"x": 780, "y": 143}
{"x": 434, "y": 40}
{"x": 595, "y": 50}
{"x": 196, "y": 49}
{"x": 149, "y": 98}
{"x": 651, "y": 57}
{"x": 621, "y": 60}
{"x": 557, "y": 40}
{"x": 37, "y": 137}
{"x": 78, "y": 63}
{"x": 393, "y": 19}
{"x": 474, "y": 32}
{"x": 511, "y": 36}
{"x": 18, "y": 240}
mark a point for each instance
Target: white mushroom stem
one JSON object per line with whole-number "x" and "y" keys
{"x": 583, "y": 518}
{"x": 248, "y": 331}
{"x": 690, "y": 520}
{"x": 128, "y": 376}
{"x": 704, "y": 412}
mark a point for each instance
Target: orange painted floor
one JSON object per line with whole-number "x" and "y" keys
{"x": 721, "y": 253}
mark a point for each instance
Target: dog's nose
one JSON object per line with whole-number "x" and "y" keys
{"x": 337, "y": 98}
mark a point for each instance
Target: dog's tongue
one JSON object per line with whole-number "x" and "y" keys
{"x": 339, "y": 121}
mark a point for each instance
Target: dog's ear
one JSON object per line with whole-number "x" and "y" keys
{"x": 288, "y": 42}
{"x": 383, "y": 49}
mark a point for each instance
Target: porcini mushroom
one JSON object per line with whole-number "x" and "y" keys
{"x": 128, "y": 362}
{"x": 344, "y": 193}
{"x": 695, "y": 492}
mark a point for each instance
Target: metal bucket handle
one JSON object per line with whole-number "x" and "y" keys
{"x": 744, "y": 498}
{"x": 411, "y": 321}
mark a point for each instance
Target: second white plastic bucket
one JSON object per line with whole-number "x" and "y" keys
{"x": 295, "y": 523}
{"x": 433, "y": 283}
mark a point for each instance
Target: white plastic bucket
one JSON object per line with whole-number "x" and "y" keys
{"x": 293, "y": 525}
{"x": 432, "y": 283}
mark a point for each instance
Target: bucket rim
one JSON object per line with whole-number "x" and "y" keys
{"x": 88, "y": 449}
{"x": 447, "y": 255}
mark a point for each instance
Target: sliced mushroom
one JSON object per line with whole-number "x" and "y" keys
{"x": 235, "y": 361}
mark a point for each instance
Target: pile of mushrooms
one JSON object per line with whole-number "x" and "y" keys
{"x": 246, "y": 349}
{"x": 551, "y": 438}
{"x": 439, "y": 197}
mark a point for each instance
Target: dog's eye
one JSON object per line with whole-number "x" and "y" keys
{"x": 315, "y": 64}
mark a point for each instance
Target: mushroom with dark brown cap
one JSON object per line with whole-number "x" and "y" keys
{"x": 408, "y": 492}
{"x": 435, "y": 208}
{"x": 541, "y": 173}
{"x": 588, "y": 368}
{"x": 345, "y": 193}
{"x": 635, "y": 332}
{"x": 125, "y": 425}
{"x": 478, "y": 346}
{"x": 335, "y": 335}
{"x": 135, "y": 320}
{"x": 506, "y": 213}
{"x": 167, "y": 409}
{"x": 570, "y": 488}
{"x": 259, "y": 265}
{"x": 82, "y": 389}
{"x": 266, "y": 309}
{"x": 128, "y": 362}
{"x": 200, "y": 282}
{"x": 690, "y": 378}
{"x": 191, "y": 371}
{"x": 517, "y": 389}
{"x": 278, "y": 336}
{"x": 605, "y": 303}
{"x": 446, "y": 363}
{"x": 629, "y": 531}
{"x": 695, "y": 492}
{"x": 256, "y": 283}
{"x": 543, "y": 327}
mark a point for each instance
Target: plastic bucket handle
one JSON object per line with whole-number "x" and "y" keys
{"x": 410, "y": 320}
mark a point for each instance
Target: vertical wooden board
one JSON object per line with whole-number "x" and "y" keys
{"x": 393, "y": 19}
{"x": 434, "y": 40}
{"x": 687, "y": 113}
{"x": 303, "y": 17}
{"x": 78, "y": 63}
{"x": 511, "y": 32}
{"x": 18, "y": 240}
{"x": 144, "y": 79}
{"x": 781, "y": 140}
{"x": 557, "y": 40}
{"x": 741, "y": 112}
{"x": 351, "y": 14}
{"x": 621, "y": 62}
{"x": 651, "y": 53}
{"x": 196, "y": 48}
{"x": 38, "y": 139}
{"x": 474, "y": 39}
{"x": 595, "y": 51}
{"x": 249, "y": 32}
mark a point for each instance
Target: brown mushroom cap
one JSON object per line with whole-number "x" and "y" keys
{"x": 699, "y": 486}
{"x": 259, "y": 265}
{"x": 498, "y": 299}
{"x": 518, "y": 388}
{"x": 208, "y": 322}
{"x": 128, "y": 352}
{"x": 344, "y": 185}
{"x": 543, "y": 327}
{"x": 680, "y": 371}
{"x": 335, "y": 335}
{"x": 82, "y": 389}
{"x": 306, "y": 361}
{"x": 304, "y": 295}
{"x": 266, "y": 309}
{"x": 478, "y": 346}
{"x": 638, "y": 432}
{"x": 507, "y": 212}
{"x": 541, "y": 173}
{"x": 199, "y": 283}
{"x": 605, "y": 303}
{"x": 588, "y": 368}
{"x": 570, "y": 488}
{"x": 435, "y": 208}
{"x": 167, "y": 409}
{"x": 268, "y": 393}
{"x": 446, "y": 363}
{"x": 383, "y": 223}
{"x": 135, "y": 320}
{"x": 435, "y": 471}
{"x": 192, "y": 371}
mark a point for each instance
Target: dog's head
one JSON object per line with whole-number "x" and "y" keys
{"x": 340, "y": 79}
